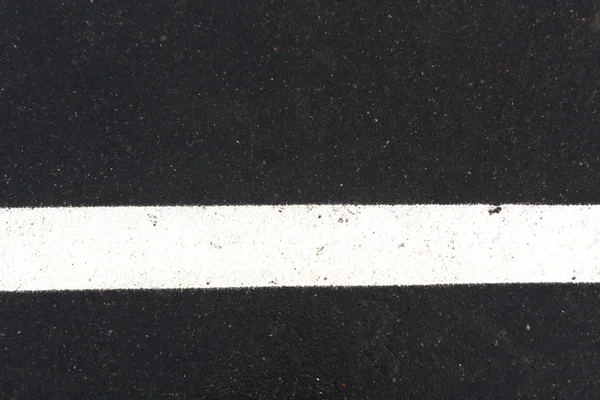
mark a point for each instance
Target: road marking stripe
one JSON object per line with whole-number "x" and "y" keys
{"x": 297, "y": 245}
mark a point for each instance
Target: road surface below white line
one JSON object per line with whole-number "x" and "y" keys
{"x": 299, "y": 245}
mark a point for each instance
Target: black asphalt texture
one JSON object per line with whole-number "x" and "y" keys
{"x": 446, "y": 342}
{"x": 111, "y": 103}
{"x": 277, "y": 102}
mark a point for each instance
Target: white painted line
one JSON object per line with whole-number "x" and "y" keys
{"x": 319, "y": 245}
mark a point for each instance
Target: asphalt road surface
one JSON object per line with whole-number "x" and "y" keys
{"x": 206, "y": 103}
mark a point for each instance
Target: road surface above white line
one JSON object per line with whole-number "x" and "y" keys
{"x": 299, "y": 245}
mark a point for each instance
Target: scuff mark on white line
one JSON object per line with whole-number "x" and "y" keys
{"x": 299, "y": 245}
